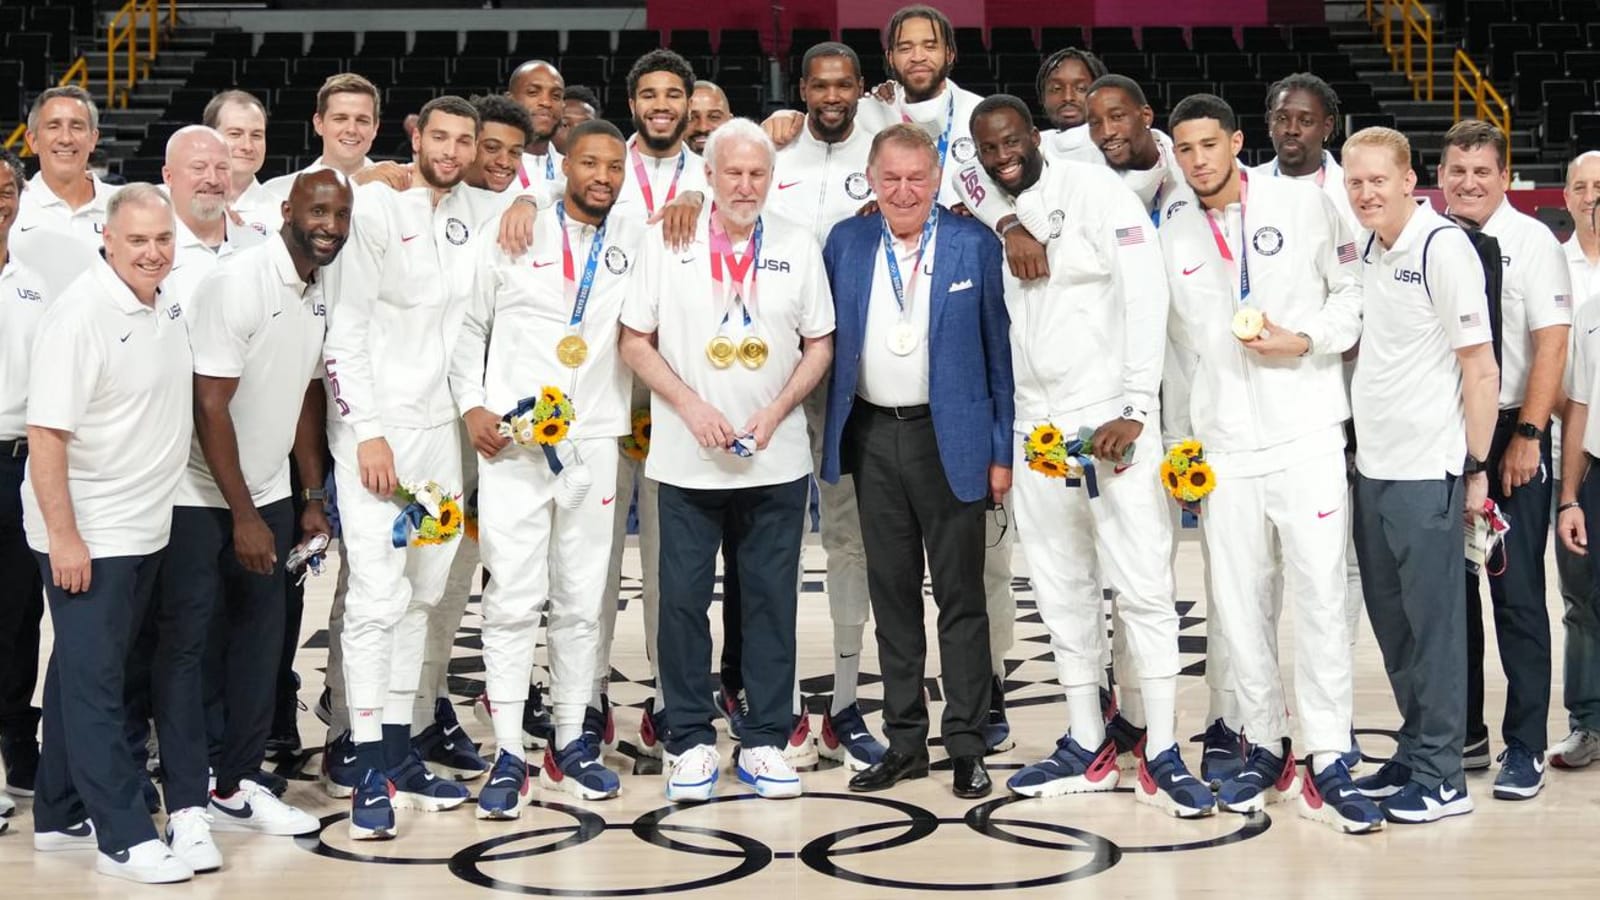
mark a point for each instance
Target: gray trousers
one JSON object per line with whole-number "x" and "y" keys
{"x": 1409, "y": 539}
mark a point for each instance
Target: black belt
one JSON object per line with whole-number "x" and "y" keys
{"x": 903, "y": 413}
{"x": 1509, "y": 416}
{"x": 15, "y": 449}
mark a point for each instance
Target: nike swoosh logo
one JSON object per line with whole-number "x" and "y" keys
{"x": 607, "y": 501}
{"x": 82, "y": 829}
{"x": 791, "y": 184}
{"x": 858, "y": 735}
{"x": 407, "y": 240}
{"x": 28, "y": 228}
{"x": 348, "y": 760}
{"x": 687, "y": 261}
{"x": 374, "y": 801}
{"x": 1594, "y": 329}
{"x": 1324, "y": 515}
{"x": 1194, "y": 270}
{"x": 587, "y": 764}
{"x": 124, "y": 338}
{"x": 120, "y": 856}
{"x": 277, "y": 314}
{"x": 506, "y": 780}
{"x": 540, "y": 265}
{"x": 244, "y": 813}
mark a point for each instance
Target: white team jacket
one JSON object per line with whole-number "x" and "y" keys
{"x": 1095, "y": 330}
{"x": 1305, "y": 274}
{"x": 819, "y": 184}
{"x": 399, "y": 288}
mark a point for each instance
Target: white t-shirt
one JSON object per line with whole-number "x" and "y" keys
{"x": 261, "y": 209}
{"x": 119, "y": 376}
{"x": 39, "y": 207}
{"x": 255, "y": 320}
{"x": 886, "y": 378}
{"x": 1585, "y": 287}
{"x": 1536, "y": 293}
{"x": 1410, "y": 423}
{"x": 24, "y": 296}
{"x": 821, "y": 184}
{"x": 521, "y": 308}
{"x": 674, "y": 296}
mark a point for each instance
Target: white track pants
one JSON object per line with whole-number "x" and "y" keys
{"x": 1123, "y": 534}
{"x": 392, "y": 590}
{"x": 541, "y": 554}
{"x": 1306, "y": 507}
{"x": 445, "y": 620}
{"x": 841, "y": 541}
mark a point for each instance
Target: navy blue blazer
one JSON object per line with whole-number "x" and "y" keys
{"x": 969, "y": 372}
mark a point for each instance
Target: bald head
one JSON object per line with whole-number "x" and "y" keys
{"x": 316, "y": 218}
{"x": 708, "y": 109}
{"x": 538, "y": 87}
{"x": 197, "y": 174}
{"x": 1582, "y": 193}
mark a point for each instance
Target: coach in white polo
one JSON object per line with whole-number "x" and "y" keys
{"x": 1424, "y": 405}
{"x": 109, "y": 419}
{"x": 730, "y": 335}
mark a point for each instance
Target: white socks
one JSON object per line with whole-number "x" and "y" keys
{"x": 507, "y": 719}
{"x": 366, "y": 726}
{"x": 1085, "y": 723}
{"x": 1161, "y": 713}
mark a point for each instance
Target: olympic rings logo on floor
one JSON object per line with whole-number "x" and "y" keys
{"x": 1091, "y": 852}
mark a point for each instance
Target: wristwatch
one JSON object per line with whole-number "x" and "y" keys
{"x": 1307, "y": 338}
{"x": 1530, "y": 431}
{"x": 310, "y": 494}
{"x": 1472, "y": 466}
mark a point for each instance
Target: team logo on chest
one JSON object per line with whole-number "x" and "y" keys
{"x": 1267, "y": 241}
{"x": 963, "y": 150}
{"x": 856, "y": 186}
{"x": 1058, "y": 220}
{"x": 1173, "y": 207}
{"x": 30, "y": 295}
{"x": 616, "y": 260}
{"x": 455, "y": 231}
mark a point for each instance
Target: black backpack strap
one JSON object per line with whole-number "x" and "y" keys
{"x": 1491, "y": 280}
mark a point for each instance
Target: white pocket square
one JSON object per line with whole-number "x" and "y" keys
{"x": 961, "y": 285}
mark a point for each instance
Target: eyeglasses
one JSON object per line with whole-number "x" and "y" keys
{"x": 999, "y": 522}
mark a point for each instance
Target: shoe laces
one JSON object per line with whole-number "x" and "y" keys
{"x": 764, "y": 760}
{"x": 189, "y": 817}
{"x": 700, "y": 759}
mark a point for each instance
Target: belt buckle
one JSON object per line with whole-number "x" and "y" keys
{"x": 19, "y": 448}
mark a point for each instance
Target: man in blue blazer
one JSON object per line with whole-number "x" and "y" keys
{"x": 928, "y": 442}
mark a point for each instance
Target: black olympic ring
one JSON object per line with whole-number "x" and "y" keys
{"x": 588, "y": 826}
{"x": 980, "y": 819}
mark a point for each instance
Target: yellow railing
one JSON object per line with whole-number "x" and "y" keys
{"x": 1483, "y": 94}
{"x": 1415, "y": 21}
{"x": 122, "y": 33}
{"x": 77, "y": 73}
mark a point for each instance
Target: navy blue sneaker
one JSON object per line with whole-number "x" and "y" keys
{"x": 446, "y": 750}
{"x": 341, "y": 771}
{"x": 652, "y": 730}
{"x": 577, "y": 770}
{"x": 372, "y": 808}
{"x": 599, "y": 726}
{"x": 1224, "y": 753}
{"x": 1165, "y": 783}
{"x": 845, "y": 737}
{"x": 1332, "y": 799}
{"x": 1265, "y": 778}
{"x": 1521, "y": 773}
{"x": 732, "y": 708}
{"x": 1352, "y": 757}
{"x": 1386, "y": 782}
{"x": 997, "y": 731}
{"x": 417, "y": 788}
{"x": 506, "y": 791}
{"x": 1415, "y": 804}
{"x": 1475, "y": 755}
{"x": 1071, "y": 769}
{"x": 1128, "y": 737}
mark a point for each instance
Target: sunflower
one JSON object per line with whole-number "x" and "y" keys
{"x": 1197, "y": 482}
{"x": 450, "y": 517}
{"x": 1044, "y": 438}
{"x": 1190, "y": 449}
{"x": 550, "y": 432}
{"x": 641, "y": 428}
{"x": 1049, "y": 468}
{"x": 552, "y": 395}
{"x": 1171, "y": 478}
{"x": 632, "y": 450}
{"x": 1178, "y": 462}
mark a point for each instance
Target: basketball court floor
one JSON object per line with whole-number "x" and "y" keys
{"x": 917, "y": 840}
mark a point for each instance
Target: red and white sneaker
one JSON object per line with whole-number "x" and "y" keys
{"x": 652, "y": 730}
{"x": 800, "y": 751}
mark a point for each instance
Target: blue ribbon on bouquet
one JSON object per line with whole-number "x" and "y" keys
{"x": 409, "y": 520}
{"x": 1080, "y": 452}
{"x": 523, "y": 407}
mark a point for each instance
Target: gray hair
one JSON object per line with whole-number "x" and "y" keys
{"x": 738, "y": 131}
{"x": 19, "y": 175}
{"x": 138, "y": 193}
{"x": 71, "y": 92}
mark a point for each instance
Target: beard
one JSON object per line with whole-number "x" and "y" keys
{"x": 208, "y": 207}
{"x": 933, "y": 87}
{"x": 302, "y": 241}
{"x": 1226, "y": 180}
{"x": 580, "y": 202}
{"x": 660, "y": 143}
{"x": 426, "y": 169}
{"x": 833, "y": 134}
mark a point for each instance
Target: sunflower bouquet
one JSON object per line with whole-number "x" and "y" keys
{"x": 1045, "y": 452}
{"x": 636, "y": 446}
{"x": 1186, "y": 474}
{"x": 544, "y": 422}
{"x": 430, "y": 515}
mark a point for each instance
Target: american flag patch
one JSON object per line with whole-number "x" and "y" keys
{"x": 1563, "y": 301}
{"x": 1127, "y": 237}
{"x": 1471, "y": 320}
{"x": 1347, "y": 252}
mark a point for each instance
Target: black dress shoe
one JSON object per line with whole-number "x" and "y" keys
{"x": 972, "y": 779}
{"x": 891, "y": 770}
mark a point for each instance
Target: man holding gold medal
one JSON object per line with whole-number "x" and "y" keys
{"x": 735, "y": 328}
{"x": 540, "y": 326}
{"x": 1268, "y": 404}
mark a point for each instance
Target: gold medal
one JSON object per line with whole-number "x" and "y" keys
{"x": 753, "y": 352}
{"x": 721, "y": 351}
{"x": 572, "y": 351}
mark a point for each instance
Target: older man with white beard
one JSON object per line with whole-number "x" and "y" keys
{"x": 198, "y": 175}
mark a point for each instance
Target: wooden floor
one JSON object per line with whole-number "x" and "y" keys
{"x": 911, "y": 842}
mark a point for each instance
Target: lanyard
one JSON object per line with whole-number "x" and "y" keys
{"x": 1155, "y": 204}
{"x": 949, "y": 120}
{"x": 738, "y": 270}
{"x": 902, "y": 296}
{"x": 568, "y": 271}
{"x": 644, "y": 180}
{"x": 1244, "y": 248}
{"x": 549, "y": 170}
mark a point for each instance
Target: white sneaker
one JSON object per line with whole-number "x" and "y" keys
{"x": 694, "y": 774}
{"x": 7, "y": 807}
{"x": 77, "y": 837}
{"x": 254, "y": 808}
{"x": 151, "y": 862}
{"x": 189, "y": 834}
{"x": 1576, "y": 750}
{"x": 766, "y": 770}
